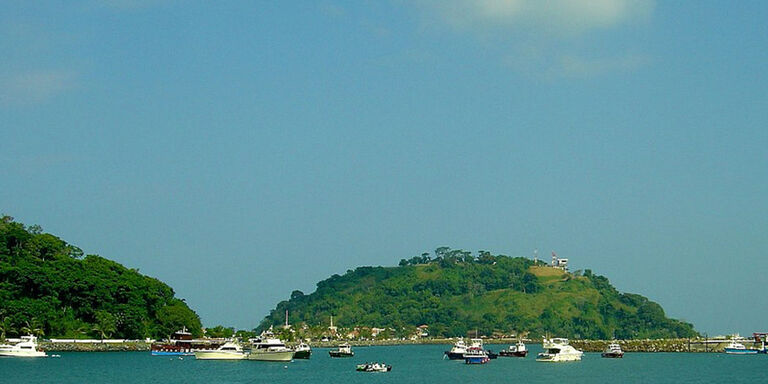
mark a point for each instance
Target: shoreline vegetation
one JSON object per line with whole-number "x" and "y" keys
{"x": 660, "y": 345}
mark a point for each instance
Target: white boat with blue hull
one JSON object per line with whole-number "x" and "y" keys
{"x": 476, "y": 355}
{"x": 735, "y": 348}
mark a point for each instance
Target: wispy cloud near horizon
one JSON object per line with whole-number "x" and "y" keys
{"x": 550, "y": 40}
{"x": 555, "y": 17}
{"x": 33, "y": 87}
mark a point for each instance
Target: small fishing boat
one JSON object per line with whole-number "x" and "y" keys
{"x": 344, "y": 350}
{"x": 557, "y": 350}
{"x": 517, "y": 350}
{"x": 476, "y": 355}
{"x": 27, "y": 347}
{"x": 374, "y": 367}
{"x": 613, "y": 351}
{"x": 302, "y": 351}
{"x": 735, "y": 348}
{"x": 478, "y": 343}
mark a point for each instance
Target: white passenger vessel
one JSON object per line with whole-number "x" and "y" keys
{"x": 558, "y": 349}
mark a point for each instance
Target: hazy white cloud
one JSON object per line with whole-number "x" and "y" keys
{"x": 129, "y": 4}
{"x": 33, "y": 87}
{"x": 577, "y": 66}
{"x": 552, "y": 65}
{"x": 548, "y": 16}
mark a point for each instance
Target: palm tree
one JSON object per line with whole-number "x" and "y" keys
{"x": 5, "y": 327}
{"x": 34, "y": 329}
{"x": 105, "y": 324}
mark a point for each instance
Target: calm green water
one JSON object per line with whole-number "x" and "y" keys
{"x": 411, "y": 364}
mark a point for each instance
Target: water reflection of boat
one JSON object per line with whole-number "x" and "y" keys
{"x": 27, "y": 347}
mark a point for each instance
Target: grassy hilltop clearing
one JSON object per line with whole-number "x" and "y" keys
{"x": 455, "y": 293}
{"x": 48, "y": 288}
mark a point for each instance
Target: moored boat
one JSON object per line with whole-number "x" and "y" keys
{"x": 517, "y": 350}
{"x": 270, "y": 349}
{"x": 557, "y": 350}
{"x": 373, "y": 367}
{"x": 478, "y": 343}
{"x": 181, "y": 343}
{"x": 228, "y": 351}
{"x": 302, "y": 351}
{"x": 735, "y": 348}
{"x": 613, "y": 351}
{"x": 457, "y": 351}
{"x": 27, "y": 347}
{"x": 476, "y": 355}
{"x": 344, "y": 350}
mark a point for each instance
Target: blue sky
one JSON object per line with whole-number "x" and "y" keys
{"x": 241, "y": 150}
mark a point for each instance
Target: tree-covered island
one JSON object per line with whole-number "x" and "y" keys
{"x": 455, "y": 293}
{"x": 49, "y": 288}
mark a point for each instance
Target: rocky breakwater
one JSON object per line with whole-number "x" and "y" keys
{"x": 95, "y": 346}
{"x": 657, "y": 345}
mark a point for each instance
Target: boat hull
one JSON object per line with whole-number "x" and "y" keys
{"x": 271, "y": 356}
{"x": 476, "y": 359}
{"x": 340, "y": 354}
{"x": 738, "y": 351}
{"x": 171, "y": 353}
{"x": 513, "y": 354}
{"x": 302, "y": 354}
{"x": 548, "y": 358}
{"x": 455, "y": 355}
{"x": 216, "y": 355}
{"x": 23, "y": 354}
{"x": 612, "y": 355}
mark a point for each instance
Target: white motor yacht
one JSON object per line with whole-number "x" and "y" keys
{"x": 558, "y": 349}
{"x": 26, "y": 348}
{"x": 613, "y": 351}
{"x": 270, "y": 349}
{"x": 228, "y": 351}
{"x": 458, "y": 350}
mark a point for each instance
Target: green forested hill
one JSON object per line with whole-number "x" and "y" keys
{"x": 47, "y": 287}
{"x": 455, "y": 292}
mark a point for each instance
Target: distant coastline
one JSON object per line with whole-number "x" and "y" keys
{"x": 661, "y": 345}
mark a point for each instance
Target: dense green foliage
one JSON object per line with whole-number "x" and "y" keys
{"x": 455, "y": 292}
{"x": 47, "y": 287}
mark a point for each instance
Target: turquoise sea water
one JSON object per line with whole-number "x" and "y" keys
{"x": 411, "y": 364}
